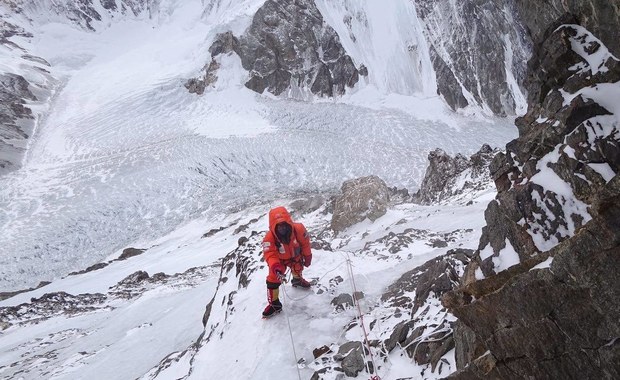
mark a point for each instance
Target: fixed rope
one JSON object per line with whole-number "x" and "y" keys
{"x": 285, "y": 278}
{"x": 360, "y": 318}
{"x": 290, "y": 330}
{"x": 319, "y": 279}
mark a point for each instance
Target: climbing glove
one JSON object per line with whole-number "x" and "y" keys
{"x": 307, "y": 260}
{"x": 278, "y": 269}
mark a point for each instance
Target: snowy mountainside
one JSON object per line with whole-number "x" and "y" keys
{"x": 141, "y": 317}
{"x": 388, "y": 39}
{"x": 127, "y": 154}
{"x": 473, "y": 54}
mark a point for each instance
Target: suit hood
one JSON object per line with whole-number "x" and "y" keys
{"x": 278, "y": 215}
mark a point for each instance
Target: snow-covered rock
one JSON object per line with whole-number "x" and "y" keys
{"x": 547, "y": 180}
{"x": 447, "y": 177}
{"x": 26, "y": 85}
{"x": 536, "y": 299}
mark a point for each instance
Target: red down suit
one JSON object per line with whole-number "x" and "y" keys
{"x": 277, "y": 252}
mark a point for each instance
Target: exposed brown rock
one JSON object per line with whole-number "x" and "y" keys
{"x": 360, "y": 198}
{"x": 560, "y": 321}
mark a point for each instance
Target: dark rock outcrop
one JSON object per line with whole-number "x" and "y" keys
{"x": 7, "y": 295}
{"x": 436, "y": 276}
{"x": 352, "y": 358}
{"x": 556, "y": 322}
{"x": 448, "y": 176}
{"x": 16, "y": 119}
{"x": 289, "y": 43}
{"x": 288, "y": 47}
{"x": 130, "y": 252}
{"x": 50, "y": 305}
{"x": 551, "y": 312}
{"x": 345, "y": 300}
{"x": 360, "y": 198}
{"x": 91, "y": 268}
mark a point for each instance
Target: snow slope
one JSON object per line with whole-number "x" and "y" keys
{"x": 119, "y": 329}
{"x": 127, "y": 154}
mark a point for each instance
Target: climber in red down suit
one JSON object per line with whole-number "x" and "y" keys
{"x": 286, "y": 244}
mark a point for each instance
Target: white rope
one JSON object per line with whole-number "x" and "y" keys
{"x": 290, "y": 331}
{"x": 359, "y": 315}
{"x": 319, "y": 279}
{"x": 380, "y": 328}
{"x": 422, "y": 339}
{"x": 360, "y": 318}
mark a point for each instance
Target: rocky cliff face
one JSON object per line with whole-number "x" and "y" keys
{"x": 478, "y": 50}
{"x": 448, "y": 176}
{"x": 475, "y": 50}
{"x": 567, "y": 150}
{"x": 538, "y": 300}
{"x": 288, "y": 47}
{"x": 15, "y": 118}
{"x": 17, "y": 94}
{"x": 598, "y": 16}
